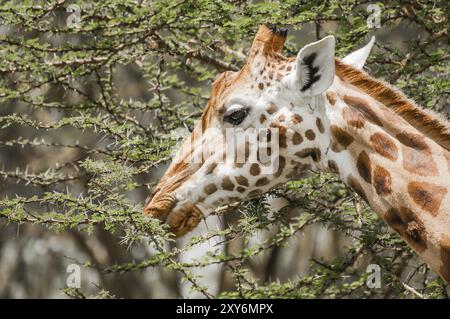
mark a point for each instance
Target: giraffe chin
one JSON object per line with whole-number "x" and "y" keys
{"x": 184, "y": 220}
{"x": 180, "y": 218}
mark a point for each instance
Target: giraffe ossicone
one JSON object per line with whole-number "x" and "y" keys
{"x": 279, "y": 116}
{"x": 358, "y": 58}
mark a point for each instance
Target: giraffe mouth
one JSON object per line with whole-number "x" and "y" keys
{"x": 180, "y": 220}
{"x": 184, "y": 219}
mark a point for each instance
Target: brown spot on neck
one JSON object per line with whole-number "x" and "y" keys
{"x": 419, "y": 162}
{"x": 342, "y": 139}
{"x": 409, "y": 226}
{"x": 363, "y": 165}
{"x": 362, "y": 107}
{"x": 414, "y": 141}
{"x": 427, "y": 196}
{"x": 353, "y": 118}
{"x": 382, "y": 181}
{"x": 384, "y": 145}
{"x": 417, "y": 156}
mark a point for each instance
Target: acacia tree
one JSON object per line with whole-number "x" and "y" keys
{"x": 95, "y": 97}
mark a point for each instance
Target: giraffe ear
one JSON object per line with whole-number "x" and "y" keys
{"x": 359, "y": 57}
{"x": 315, "y": 66}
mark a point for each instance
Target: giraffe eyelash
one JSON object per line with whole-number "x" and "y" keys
{"x": 236, "y": 117}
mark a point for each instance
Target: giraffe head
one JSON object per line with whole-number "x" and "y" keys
{"x": 263, "y": 125}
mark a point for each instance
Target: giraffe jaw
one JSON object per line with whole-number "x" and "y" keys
{"x": 184, "y": 220}
{"x": 180, "y": 218}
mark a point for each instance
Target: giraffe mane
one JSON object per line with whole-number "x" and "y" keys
{"x": 426, "y": 121}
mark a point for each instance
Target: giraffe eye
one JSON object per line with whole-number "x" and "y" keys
{"x": 236, "y": 117}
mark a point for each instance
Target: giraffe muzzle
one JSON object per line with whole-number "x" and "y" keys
{"x": 180, "y": 218}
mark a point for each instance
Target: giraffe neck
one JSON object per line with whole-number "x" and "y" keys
{"x": 403, "y": 175}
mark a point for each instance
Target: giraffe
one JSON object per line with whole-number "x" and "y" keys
{"x": 328, "y": 114}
